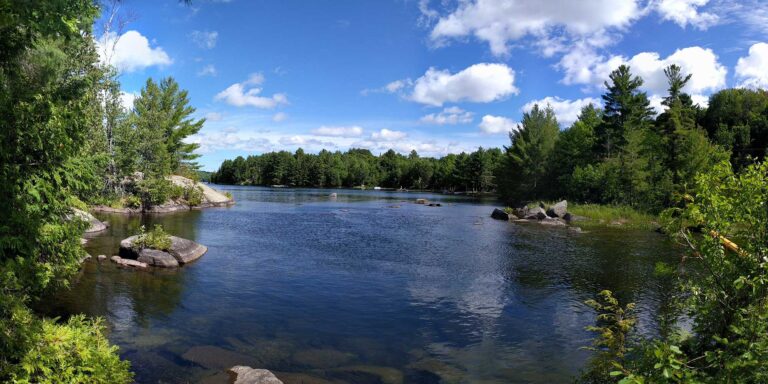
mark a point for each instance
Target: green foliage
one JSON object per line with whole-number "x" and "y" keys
{"x": 737, "y": 119}
{"x": 73, "y": 352}
{"x": 725, "y": 297}
{"x": 156, "y": 238}
{"x": 524, "y": 173}
{"x": 613, "y": 326}
{"x": 463, "y": 172}
{"x": 131, "y": 201}
{"x": 48, "y": 76}
{"x": 154, "y": 191}
{"x": 193, "y": 195}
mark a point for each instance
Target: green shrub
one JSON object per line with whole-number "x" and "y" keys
{"x": 177, "y": 191}
{"x": 132, "y": 201}
{"x": 228, "y": 195}
{"x": 73, "y": 352}
{"x": 154, "y": 191}
{"x": 193, "y": 195}
{"x": 156, "y": 238}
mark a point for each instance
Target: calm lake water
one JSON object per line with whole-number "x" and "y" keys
{"x": 365, "y": 288}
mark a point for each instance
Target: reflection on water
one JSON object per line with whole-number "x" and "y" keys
{"x": 364, "y": 288}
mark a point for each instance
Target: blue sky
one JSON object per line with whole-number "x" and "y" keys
{"x": 437, "y": 76}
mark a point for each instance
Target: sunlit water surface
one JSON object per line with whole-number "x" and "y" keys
{"x": 365, "y": 288}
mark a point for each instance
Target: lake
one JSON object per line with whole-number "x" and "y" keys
{"x": 365, "y": 288}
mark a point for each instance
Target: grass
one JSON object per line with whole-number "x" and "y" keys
{"x": 614, "y": 216}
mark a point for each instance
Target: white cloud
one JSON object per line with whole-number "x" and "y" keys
{"x": 479, "y": 83}
{"x": 752, "y": 70}
{"x": 583, "y": 66}
{"x": 685, "y": 12}
{"x": 305, "y": 141}
{"x": 567, "y": 111}
{"x": 208, "y": 70}
{"x": 213, "y": 116}
{"x": 499, "y": 22}
{"x": 497, "y": 124}
{"x": 230, "y": 139}
{"x": 396, "y": 85}
{"x": 452, "y": 115}
{"x": 279, "y": 117}
{"x": 204, "y": 39}
{"x": 127, "y": 99}
{"x": 351, "y": 131}
{"x": 132, "y": 51}
{"x": 248, "y": 94}
{"x": 387, "y": 135}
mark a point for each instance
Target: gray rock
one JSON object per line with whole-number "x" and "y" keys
{"x": 499, "y": 214}
{"x": 553, "y": 221}
{"x": 94, "y": 224}
{"x": 558, "y": 210}
{"x": 101, "y": 257}
{"x": 182, "y": 250}
{"x": 333, "y": 195}
{"x": 537, "y": 213}
{"x": 157, "y": 258}
{"x": 422, "y": 201}
{"x": 128, "y": 262}
{"x": 247, "y": 375}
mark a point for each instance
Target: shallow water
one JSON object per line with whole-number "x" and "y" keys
{"x": 365, "y": 288}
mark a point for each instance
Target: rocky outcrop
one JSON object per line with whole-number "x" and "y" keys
{"x": 182, "y": 251}
{"x": 246, "y": 375}
{"x": 211, "y": 197}
{"x": 556, "y": 215}
{"x": 558, "y": 210}
{"x": 94, "y": 225}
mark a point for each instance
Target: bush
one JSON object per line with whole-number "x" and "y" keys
{"x": 193, "y": 195}
{"x": 74, "y": 352}
{"x": 154, "y": 191}
{"x": 132, "y": 201}
{"x": 177, "y": 191}
{"x": 157, "y": 238}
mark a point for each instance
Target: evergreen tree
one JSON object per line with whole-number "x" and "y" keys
{"x": 626, "y": 108}
{"x": 524, "y": 172}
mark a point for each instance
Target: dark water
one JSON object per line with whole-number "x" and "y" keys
{"x": 354, "y": 290}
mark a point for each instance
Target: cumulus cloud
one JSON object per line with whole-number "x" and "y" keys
{"x": 213, "y": 116}
{"x": 493, "y": 125}
{"x": 351, "y": 131}
{"x": 686, "y": 12}
{"x": 387, "y": 135}
{"x": 204, "y": 39}
{"x": 130, "y": 51}
{"x": 230, "y": 139}
{"x": 583, "y": 66}
{"x": 452, "y": 115}
{"x": 499, "y": 22}
{"x": 479, "y": 83}
{"x": 279, "y": 117}
{"x": 127, "y": 99}
{"x": 752, "y": 70}
{"x": 248, "y": 93}
{"x": 305, "y": 141}
{"x": 567, "y": 111}
{"x": 208, "y": 70}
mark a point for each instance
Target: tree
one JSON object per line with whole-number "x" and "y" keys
{"x": 626, "y": 108}
{"x": 47, "y": 78}
{"x": 523, "y": 173}
{"x": 160, "y": 121}
{"x": 574, "y": 149}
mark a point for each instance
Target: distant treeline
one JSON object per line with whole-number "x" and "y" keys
{"x": 357, "y": 167}
{"x": 621, "y": 154}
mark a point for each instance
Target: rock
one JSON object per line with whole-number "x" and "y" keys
{"x": 182, "y": 250}
{"x": 435, "y": 205}
{"x": 552, "y": 221}
{"x": 558, "y": 210}
{"x": 211, "y": 197}
{"x": 101, "y": 257}
{"x": 128, "y": 262}
{"x": 499, "y": 214}
{"x": 421, "y": 201}
{"x": 521, "y": 212}
{"x": 94, "y": 224}
{"x": 213, "y": 357}
{"x": 157, "y": 258}
{"x": 247, "y": 375}
{"x": 537, "y": 213}
{"x": 85, "y": 258}
{"x": 333, "y": 195}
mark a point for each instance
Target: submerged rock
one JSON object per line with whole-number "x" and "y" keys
{"x": 182, "y": 251}
{"x": 247, "y": 375}
{"x": 322, "y": 358}
{"x": 128, "y": 262}
{"x": 213, "y": 357}
{"x": 499, "y": 214}
{"x": 421, "y": 201}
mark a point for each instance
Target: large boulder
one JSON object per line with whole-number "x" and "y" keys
{"x": 182, "y": 251}
{"x": 157, "y": 258}
{"x": 211, "y": 197}
{"x": 537, "y": 213}
{"x": 499, "y": 214}
{"x": 246, "y": 375}
{"x": 558, "y": 210}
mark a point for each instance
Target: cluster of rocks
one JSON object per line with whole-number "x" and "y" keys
{"x": 181, "y": 251}
{"x": 427, "y": 203}
{"x": 556, "y": 214}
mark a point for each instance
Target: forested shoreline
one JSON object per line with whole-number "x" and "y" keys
{"x": 624, "y": 153}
